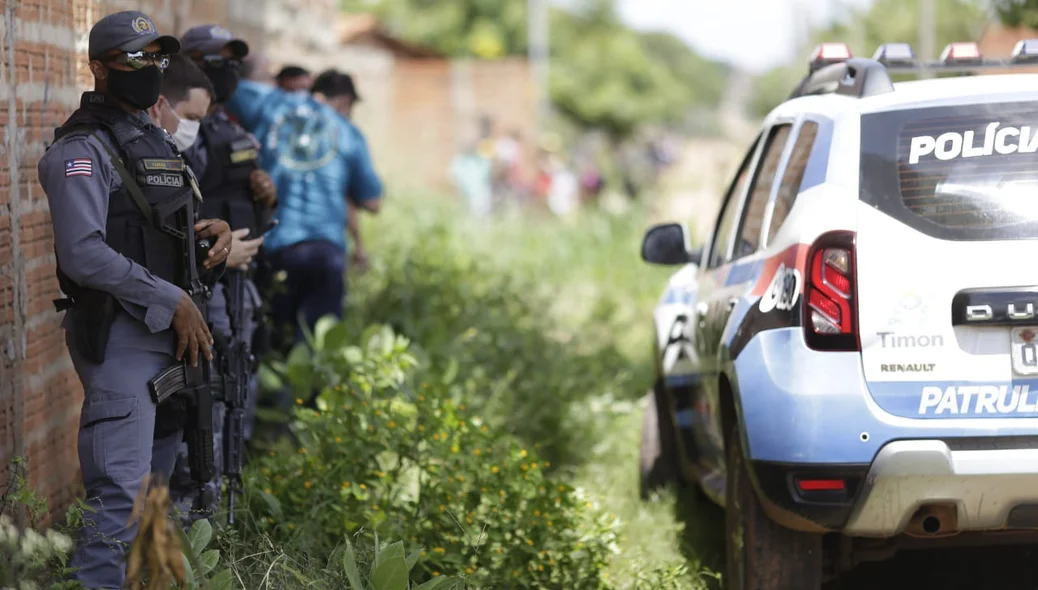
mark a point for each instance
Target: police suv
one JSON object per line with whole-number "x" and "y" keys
{"x": 849, "y": 365}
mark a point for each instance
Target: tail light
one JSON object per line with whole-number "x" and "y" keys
{"x": 830, "y": 309}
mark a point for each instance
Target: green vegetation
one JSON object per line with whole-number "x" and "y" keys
{"x": 885, "y": 21}
{"x": 605, "y": 76}
{"x": 478, "y": 427}
{"x": 478, "y": 408}
{"x": 1017, "y": 13}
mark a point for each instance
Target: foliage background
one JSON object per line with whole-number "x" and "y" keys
{"x": 605, "y": 76}
{"x": 885, "y": 21}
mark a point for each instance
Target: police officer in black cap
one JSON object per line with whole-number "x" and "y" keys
{"x": 125, "y": 235}
{"x": 225, "y": 156}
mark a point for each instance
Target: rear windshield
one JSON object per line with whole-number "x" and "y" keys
{"x": 956, "y": 173}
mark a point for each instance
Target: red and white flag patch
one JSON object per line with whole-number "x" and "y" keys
{"x": 79, "y": 167}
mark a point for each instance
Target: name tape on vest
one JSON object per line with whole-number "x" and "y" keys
{"x": 243, "y": 156}
{"x": 162, "y": 165}
{"x": 952, "y": 145}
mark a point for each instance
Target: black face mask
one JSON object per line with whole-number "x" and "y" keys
{"x": 138, "y": 88}
{"x": 225, "y": 82}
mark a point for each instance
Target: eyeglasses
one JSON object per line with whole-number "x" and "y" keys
{"x": 219, "y": 61}
{"x": 138, "y": 60}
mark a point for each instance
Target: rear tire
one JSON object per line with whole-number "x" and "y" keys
{"x": 760, "y": 554}
{"x": 658, "y": 460}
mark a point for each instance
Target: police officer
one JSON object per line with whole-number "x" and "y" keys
{"x": 235, "y": 189}
{"x": 117, "y": 188}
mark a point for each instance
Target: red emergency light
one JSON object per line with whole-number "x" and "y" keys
{"x": 829, "y": 53}
{"x": 968, "y": 52}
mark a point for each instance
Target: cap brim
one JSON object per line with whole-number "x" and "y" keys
{"x": 213, "y": 46}
{"x": 167, "y": 43}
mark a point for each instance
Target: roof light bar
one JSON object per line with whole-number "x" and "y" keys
{"x": 829, "y": 53}
{"x": 959, "y": 53}
{"x": 899, "y": 54}
{"x": 1026, "y": 51}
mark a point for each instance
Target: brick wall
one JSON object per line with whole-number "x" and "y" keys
{"x": 417, "y": 113}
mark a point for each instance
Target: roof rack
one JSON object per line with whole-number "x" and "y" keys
{"x": 833, "y": 69}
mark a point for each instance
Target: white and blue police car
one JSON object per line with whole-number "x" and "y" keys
{"x": 849, "y": 365}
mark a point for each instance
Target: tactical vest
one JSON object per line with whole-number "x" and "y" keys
{"x": 149, "y": 156}
{"x": 232, "y": 156}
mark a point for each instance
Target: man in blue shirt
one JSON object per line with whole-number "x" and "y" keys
{"x": 317, "y": 160}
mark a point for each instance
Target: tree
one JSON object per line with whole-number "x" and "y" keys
{"x": 603, "y": 74}
{"x": 704, "y": 80}
{"x": 1017, "y": 13}
{"x": 886, "y": 21}
{"x": 460, "y": 28}
{"x": 603, "y": 78}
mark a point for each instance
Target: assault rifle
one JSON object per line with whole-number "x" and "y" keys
{"x": 192, "y": 384}
{"x": 236, "y": 369}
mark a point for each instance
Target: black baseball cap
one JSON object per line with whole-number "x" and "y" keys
{"x": 211, "y": 39}
{"x": 129, "y": 31}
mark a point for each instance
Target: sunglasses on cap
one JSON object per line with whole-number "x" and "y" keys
{"x": 138, "y": 60}
{"x": 219, "y": 61}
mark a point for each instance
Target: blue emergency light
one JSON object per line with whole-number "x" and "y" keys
{"x": 895, "y": 54}
{"x": 1026, "y": 51}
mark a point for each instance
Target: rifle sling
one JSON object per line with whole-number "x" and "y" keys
{"x": 131, "y": 185}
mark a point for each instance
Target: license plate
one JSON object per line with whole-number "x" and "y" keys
{"x": 1024, "y": 349}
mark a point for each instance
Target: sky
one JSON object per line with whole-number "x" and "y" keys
{"x": 755, "y": 35}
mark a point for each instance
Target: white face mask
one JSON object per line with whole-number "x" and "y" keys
{"x": 187, "y": 132}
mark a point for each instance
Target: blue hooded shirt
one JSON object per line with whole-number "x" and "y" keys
{"x": 316, "y": 157}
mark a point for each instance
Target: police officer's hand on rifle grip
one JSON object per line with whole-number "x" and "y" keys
{"x": 192, "y": 331}
{"x": 209, "y": 228}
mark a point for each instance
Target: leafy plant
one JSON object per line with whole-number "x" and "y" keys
{"x": 30, "y": 558}
{"x": 412, "y": 461}
{"x": 390, "y": 570}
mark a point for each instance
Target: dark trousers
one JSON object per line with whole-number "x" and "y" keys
{"x": 314, "y": 286}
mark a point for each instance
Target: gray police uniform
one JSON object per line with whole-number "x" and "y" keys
{"x": 224, "y": 155}
{"x": 121, "y": 275}
{"x": 120, "y": 271}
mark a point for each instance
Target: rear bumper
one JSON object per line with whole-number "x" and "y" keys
{"x": 989, "y": 489}
{"x": 807, "y": 413}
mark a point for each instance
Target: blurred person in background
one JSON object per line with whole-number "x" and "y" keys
{"x": 293, "y": 78}
{"x": 344, "y": 106}
{"x": 508, "y": 180}
{"x": 471, "y": 173}
{"x": 317, "y": 160}
{"x": 564, "y": 194}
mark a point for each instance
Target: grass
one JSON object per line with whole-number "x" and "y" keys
{"x": 592, "y": 266}
{"x": 675, "y": 527}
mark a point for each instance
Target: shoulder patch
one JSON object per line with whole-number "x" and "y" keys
{"x": 79, "y": 167}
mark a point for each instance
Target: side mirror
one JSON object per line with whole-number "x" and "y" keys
{"x": 668, "y": 244}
